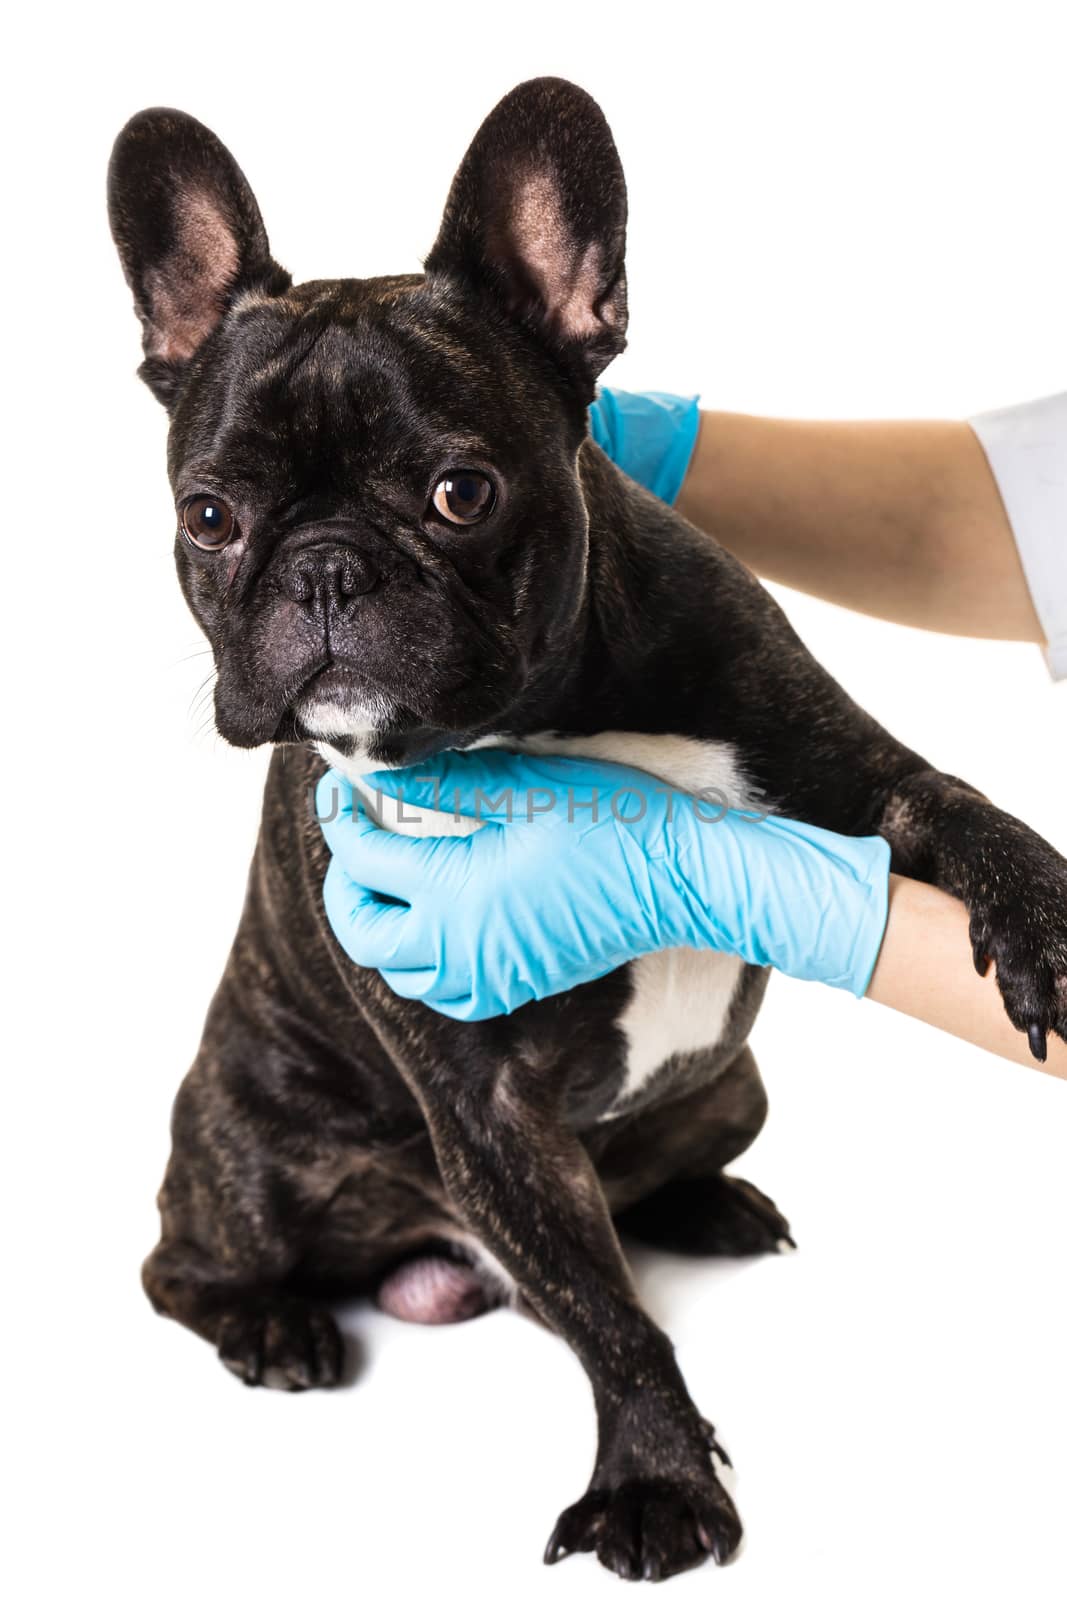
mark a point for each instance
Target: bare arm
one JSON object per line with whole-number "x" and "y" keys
{"x": 901, "y": 520}
{"x": 940, "y": 985}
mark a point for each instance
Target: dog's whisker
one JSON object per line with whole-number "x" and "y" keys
{"x": 201, "y": 693}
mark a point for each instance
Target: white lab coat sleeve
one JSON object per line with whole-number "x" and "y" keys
{"x": 1026, "y": 447}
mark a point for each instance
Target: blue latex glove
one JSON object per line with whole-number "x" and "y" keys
{"x": 650, "y": 436}
{"x": 521, "y": 909}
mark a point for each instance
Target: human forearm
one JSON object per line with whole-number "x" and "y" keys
{"x": 925, "y": 969}
{"x": 902, "y": 520}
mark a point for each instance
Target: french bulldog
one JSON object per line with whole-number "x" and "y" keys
{"x": 398, "y": 537}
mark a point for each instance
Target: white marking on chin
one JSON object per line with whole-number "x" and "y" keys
{"x": 353, "y": 719}
{"x": 394, "y": 815}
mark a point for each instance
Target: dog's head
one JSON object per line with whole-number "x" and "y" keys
{"x": 380, "y": 524}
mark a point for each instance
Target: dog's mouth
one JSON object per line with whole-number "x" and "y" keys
{"x": 343, "y": 716}
{"x": 340, "y": 708}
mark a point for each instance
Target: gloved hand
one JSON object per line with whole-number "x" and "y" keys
{"x": 566, "y": 890}
{"x": 650, "y": 436}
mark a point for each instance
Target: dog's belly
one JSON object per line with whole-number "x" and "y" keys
{"x": 681, "y": 998}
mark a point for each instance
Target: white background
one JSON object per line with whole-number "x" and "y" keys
{"x": 834, "y": 211}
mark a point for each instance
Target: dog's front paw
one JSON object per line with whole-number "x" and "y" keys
{"x": 1026, "y": 937}
{"x": 650, "y": 1527}
{"x": 282, "y": 1344}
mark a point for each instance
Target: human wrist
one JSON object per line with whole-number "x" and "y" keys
{"x": 650, "y": 436}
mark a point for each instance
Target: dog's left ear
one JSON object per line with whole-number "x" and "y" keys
{"x": 537, "y": 216}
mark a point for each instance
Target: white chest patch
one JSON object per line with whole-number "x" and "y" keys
{"x": 680, "y": 997}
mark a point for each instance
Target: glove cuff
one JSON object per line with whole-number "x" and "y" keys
{"x": 871, "y": 894}
{"x": 784, "y": 894}
{"x": 651, "y": 436}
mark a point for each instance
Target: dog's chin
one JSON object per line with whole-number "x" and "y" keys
{"x": 353, "y": 719}
{"x": 366, "y": 733}
{"x": 350, "y": 732}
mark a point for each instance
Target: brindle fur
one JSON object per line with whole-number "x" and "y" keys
{"x": 329, "y": 1129}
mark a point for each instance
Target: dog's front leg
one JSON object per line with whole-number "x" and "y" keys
{"x": 1012, "y": 882}
{"x": 527, "y": 1188}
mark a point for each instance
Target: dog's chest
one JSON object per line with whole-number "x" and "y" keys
{"x": 680, "y": 998}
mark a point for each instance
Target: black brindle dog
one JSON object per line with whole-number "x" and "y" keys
{"x": 398, "y": 537}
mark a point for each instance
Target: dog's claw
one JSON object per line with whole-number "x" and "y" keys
{"x": 652, "y": 1527}
{"x": 1038, "y": 1041}
{"x": 555, "y": 1550}
{"x": 714, "y": 1447}
{"x": 717, "y": 1546}
{"x": 281, "y": 1344}
{"x": 720, "y": 1551}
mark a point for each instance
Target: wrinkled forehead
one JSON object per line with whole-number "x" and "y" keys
{"x": 379, "y": 374}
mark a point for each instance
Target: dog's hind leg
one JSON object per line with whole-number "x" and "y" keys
{"x": 663, "y": 1172}
{"x": 239, "y": 1210}
{"x": 262, "y": 1334}
{"x": 715, "y": 1215}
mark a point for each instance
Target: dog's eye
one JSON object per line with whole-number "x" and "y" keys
{"x": 464, "y": 497}
{"x": 208, "y": 522}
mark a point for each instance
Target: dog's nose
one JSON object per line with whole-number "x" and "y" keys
{"x": 328, "y": 576}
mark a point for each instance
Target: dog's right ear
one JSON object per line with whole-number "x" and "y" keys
{"x": 189, "y": 235}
